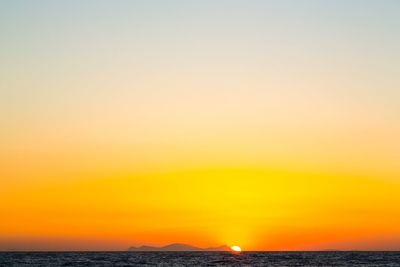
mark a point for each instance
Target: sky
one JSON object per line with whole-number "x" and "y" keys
{"x": 272, "y": 125}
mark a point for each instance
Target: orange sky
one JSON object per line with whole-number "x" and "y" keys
{"x": 259, "y": 124}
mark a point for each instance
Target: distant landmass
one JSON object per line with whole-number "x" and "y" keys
{"x": 179, "y": 247}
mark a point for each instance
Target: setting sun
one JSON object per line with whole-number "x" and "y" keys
{"x": 236, "y": 248}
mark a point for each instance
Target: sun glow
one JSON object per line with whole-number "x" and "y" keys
{"x": 236, "y": 248}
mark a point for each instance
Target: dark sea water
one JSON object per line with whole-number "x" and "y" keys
{"x": 199, "y": 259}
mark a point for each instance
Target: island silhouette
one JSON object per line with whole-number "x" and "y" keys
{"x": 179, "y": 247}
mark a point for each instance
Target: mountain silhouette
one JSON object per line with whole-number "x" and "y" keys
{"x": 179, "y": 247}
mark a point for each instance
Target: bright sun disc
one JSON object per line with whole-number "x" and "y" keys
{"x": 236, "y": 248}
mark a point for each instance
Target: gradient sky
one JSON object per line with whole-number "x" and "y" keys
{"x": 272, "y": 125}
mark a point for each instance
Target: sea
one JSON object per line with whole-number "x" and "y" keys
{"x": 323, "y": 258}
